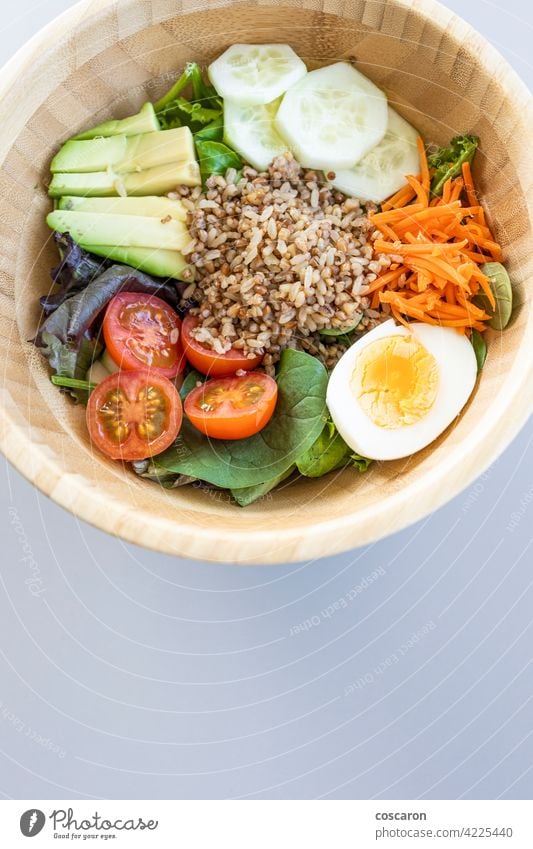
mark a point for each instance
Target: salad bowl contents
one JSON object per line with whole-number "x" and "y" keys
{"x": 333, "y": 278}
{"x": 292, "y": 271}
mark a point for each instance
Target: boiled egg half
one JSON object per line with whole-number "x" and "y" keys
{"x": 397, "y": 388}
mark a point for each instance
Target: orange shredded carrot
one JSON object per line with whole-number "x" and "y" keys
{"x": 390, "y": 279}
{"x": 419, "y": 189}
{"x": 437, "y": 245}
{"x": 426, "y": 179}
{"x": 401, "y": 198}
{"x": 469, "y": 184}
{"x": 454, "y": 192}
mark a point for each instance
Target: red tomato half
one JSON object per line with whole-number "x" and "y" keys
{"x": 232, "y": 407}
{"x": 134, "y": 414}
{"x": 142, "y": 331}
{"x": 207, "y": 361}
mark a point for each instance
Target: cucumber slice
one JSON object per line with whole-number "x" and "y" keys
{"x": 256, "y": 73}
{"x": 383, "y": 170}
{"x": 332, "y": 117}
{"x": 108, "y": 362}
{"x": 250, "y": 131}
{"x": 102, "y": 368}
{"x": 97, "y": 372}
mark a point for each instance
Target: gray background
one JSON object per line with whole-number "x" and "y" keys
{"x": 127, "y": 674}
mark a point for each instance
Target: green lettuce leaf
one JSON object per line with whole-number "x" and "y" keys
{"x": 448, "y": 161}
{"x": 174, "y": 110}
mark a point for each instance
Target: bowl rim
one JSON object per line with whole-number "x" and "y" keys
{"x": 467, "y": 460}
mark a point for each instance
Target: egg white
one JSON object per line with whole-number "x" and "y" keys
{"x": 457, "y": 368}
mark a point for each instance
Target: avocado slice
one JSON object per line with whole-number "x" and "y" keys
{"x": 86, "y": 156}
{"x": 145, "y": 121}
{"x": 124, "y": 153}
{"x": 128, "y": 231}
{"x": 161, "y": 263}
{"x": 153, "y": 181}
{"x": 155, "y": 207}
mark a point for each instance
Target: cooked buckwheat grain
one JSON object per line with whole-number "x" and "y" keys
{"x": 278, "y": 257}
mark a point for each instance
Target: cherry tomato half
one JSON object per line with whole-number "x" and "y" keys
{"x": 142, "y": 331}
{"x": 134, "y": 414}
{"x": 207, "y": 361}
{"x": 232, "y": 407}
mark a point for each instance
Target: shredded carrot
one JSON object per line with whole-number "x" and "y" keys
{"x": 456, "y": 189}
{"x": 419, "y": 189}
{"x": 401, "y": 198}
{"x": 437, "y": 245}
{"x": 469, "y": 184}
{"x": 390, "y": 278}
{"x": 426, "y": 179}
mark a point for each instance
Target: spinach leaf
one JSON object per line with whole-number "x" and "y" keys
{"x": 342, "y": 331}
{"x": 213, "y": 131}
{"x": 215, "y": 158}
{"x": 360, "y": 463}
{"x": 328, "y": 453}
{"x": 168, "y": 480}
{"x": 296, "y": 423}
{"x": 344, "y": 335}
{"x": 448, "y": 161}
{"x": 480, "y": 348}
{"x": 502, "y": 290}
{"x": 189, "y": 383}
{"x": 248, "y": 494}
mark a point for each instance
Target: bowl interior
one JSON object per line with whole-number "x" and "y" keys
{"x": 104, "y": 64}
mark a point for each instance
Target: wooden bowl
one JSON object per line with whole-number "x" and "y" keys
{"x": 104, "y": 59}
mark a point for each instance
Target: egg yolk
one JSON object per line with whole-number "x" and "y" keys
{"x": 395, "y": 381}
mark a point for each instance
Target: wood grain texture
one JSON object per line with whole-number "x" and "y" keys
{"x": 103, "y": 59}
